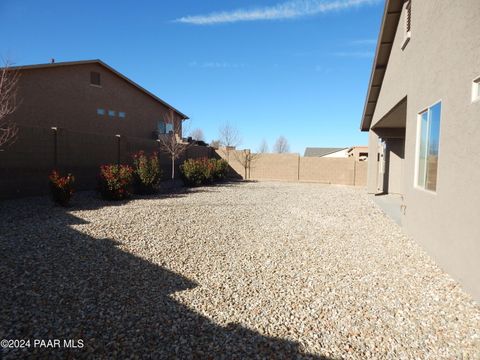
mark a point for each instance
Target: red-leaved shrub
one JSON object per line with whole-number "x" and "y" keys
{"x": 115, "y": 181}
{"x": 61, "y": 187}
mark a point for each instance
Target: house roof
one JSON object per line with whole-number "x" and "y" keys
{"x": 315, "y": 151}
{"x": 101, "y": 63}
{"x": 360, "y": 148}
{"x": 391, "y": 17}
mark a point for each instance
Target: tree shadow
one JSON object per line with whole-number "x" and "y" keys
{"x": 59, "y": 283}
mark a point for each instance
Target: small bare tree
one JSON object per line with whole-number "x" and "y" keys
{"x": 246, "y": 158}
{"x": 229, "y": 138}
{"x": 197, "y": 134}
{"x": 263, "y": 148}
{"x": 172, "y": 143}
{"x": 281, "y": 145}
{"x": 8, "y": 104}
{"x": 215, "y": 144}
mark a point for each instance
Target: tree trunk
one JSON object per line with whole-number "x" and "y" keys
{"x": 173, "y": 168}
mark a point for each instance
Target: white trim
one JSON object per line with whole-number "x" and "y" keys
{"x": 417, "y": 147}
{"x": 95, "y": 85}
{"x": 407, "y": 30}
{"x": 476, "y": 90}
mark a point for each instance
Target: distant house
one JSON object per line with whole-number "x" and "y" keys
{"x": 75, "y": 116}
{"x": 90, "y": 96}
{"x": 359, "y": 153}
{"x": 422, "y": 114}
{"x": 326, "y": 152}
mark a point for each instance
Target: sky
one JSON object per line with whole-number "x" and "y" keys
{"x": 270, "y": 68}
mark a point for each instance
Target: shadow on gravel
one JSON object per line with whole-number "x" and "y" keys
{"x": 58, "y": 283}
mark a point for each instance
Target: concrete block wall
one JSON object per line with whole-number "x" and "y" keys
{"x": 293, "y": 167}
{"x": 275, "y": 167}
{"x": 26, "y": 164}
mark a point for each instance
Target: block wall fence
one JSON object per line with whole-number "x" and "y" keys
{"x": 26, "y": 164}
{"x": 293, "y": 167}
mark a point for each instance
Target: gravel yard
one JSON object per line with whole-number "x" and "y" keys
{"x": 248, "y": 270}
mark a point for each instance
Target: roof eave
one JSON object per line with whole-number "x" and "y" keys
{"x": 391, "y": 17}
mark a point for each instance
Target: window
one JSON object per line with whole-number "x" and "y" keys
{"x": 95, "y": 78}
{"x": 121, "y": 114}
{"x": 111, "y": 113}
{"x": 407, "y": 33}
{"x": 476, "y": 89}
{"x": 101, "y": 112}
{"x": 161, "y": 127}
{"x": 428, "y": 137}
{"x": 169, "y": 128}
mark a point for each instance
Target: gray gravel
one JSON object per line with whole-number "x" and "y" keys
{"x": 252, "y": 270}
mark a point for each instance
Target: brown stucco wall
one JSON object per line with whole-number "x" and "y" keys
{"x": 26, "y": 164}
{"x": 61, "y": 96}
{"x": 439, "y": 63}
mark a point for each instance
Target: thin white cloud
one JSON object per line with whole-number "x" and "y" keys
{"x": 287, "y": 10}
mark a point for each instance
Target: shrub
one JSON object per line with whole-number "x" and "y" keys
{"x": 61, "y": 187}
{"x": 115, "y": 181}
{"x": 147, "y": 173}
{"x": 193, "y": 172}
{"x": 221, "y": 169}
{"x": 196, "y": 172}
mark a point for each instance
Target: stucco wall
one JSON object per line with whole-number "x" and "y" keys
{"x": 439, "y": 63}
{"x": 395, "y": 152}
{"x": 292, "y": 167}
{"x": 26, "y": 164}
{"x": 62, "y": 96}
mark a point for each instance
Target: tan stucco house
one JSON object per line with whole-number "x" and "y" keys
{"x": 422, "y": 113}
{"x": 90, "y": 96}
{"x": 76, "y": 116}
{"x": 359, "y": 153}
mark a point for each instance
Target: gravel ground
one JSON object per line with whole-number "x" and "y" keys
{"x": 251, "y": 270}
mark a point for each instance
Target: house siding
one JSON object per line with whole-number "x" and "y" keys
{"x": 61, "y": 96}
{"x": 439, "y": 63}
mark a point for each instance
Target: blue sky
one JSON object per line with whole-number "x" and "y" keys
{"x": 295, "y": 68}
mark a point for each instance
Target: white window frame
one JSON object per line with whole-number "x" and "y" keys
{"x": 417, "y": 147}
{"x": 407, "y": 27}
{"x": 476, "y": 90}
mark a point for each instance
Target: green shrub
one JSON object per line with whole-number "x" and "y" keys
{"x": 221, "y": 169}
{"x": 115, "y": 181}
{"x": 61, "y": 187}
{"x": 147, "y": 173}
{"x": 196, "y": 172}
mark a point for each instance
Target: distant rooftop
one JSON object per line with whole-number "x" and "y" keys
{"x": 316, "y": 151}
